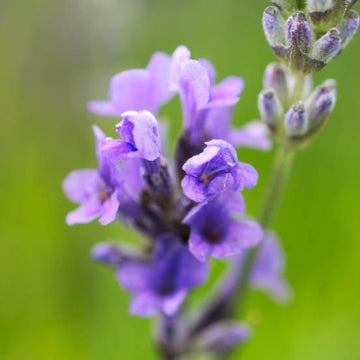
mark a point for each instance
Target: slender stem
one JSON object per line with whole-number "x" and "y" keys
{"x": 279, "y": 175}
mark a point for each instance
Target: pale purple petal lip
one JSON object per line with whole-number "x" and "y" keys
{"x": 139, "y": 138}
{"x": 137, "y": 89}
{"x": 216, "y": 170}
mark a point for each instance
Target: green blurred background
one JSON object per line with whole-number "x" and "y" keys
{"x": 55, "y": 303}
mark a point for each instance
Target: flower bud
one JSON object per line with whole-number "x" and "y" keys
{"x": 113, "y": 255}
{"x": 296, "y": 122}
{"x": 319, "y": 5}
{"x": 222, "y": 337}
{"x": 328, "y": 46}
{"x": 276, "y": 78}
{"x": 348, "y": 27}
{"x": 321, "y": 104}
{"x": 273, "y": 25}
{"x": 299, "y": 32}
{"x": 270, "y": 108}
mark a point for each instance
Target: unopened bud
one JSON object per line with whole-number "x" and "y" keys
{"x": 273, "y": 25}
{"x": 328, "y": 46}
{"x": 276, "y": 78}
{"x": 112, "y": 255}
{"x": 319, "y": 5}
{"x": 299, "y": 32}
{"x": 296, "y": 121}
{"x": 270, "y": 108}
{"x": 222, "y": 337}
{"x": 348, "y": 27}
{"x": 321, "y": 104}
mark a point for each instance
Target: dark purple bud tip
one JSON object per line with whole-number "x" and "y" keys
{"x": 273, "y": 25}
{"x": 321, "y": 103}
{"x": 270, "y": 108}
{"x": 299, "y": 32}
{"x": 296, "y": 123}
{"x": 348, "y": 27}
{"x": 328, "y": 46}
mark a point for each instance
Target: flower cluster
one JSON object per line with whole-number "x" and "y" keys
{"x": 190, "y": 209}
{"x": 290, "y": 114}
{"x": 307, "y": 35}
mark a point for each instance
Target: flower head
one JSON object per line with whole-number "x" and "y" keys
{"x": 215, "y": 232}
{"x": 137, "y": 89}
{"x": 139, "y": 138}
{"x": 208, "y": 107}
{"x": 163, "y": 284}
{"x": 216, "y": 170}
{"x": 95, "y": 190}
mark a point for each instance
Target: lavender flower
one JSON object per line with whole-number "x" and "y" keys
{"x": 162, "y": 285}
{"x": 208, "y": 107}
{"x": 215, "y": 232}
{"x": 138, "y": 89}
{"x": 216, "y": 170}
{"x": 95, "y": 190}
{"x": 140, "y": 139}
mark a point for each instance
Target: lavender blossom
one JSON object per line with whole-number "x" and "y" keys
{"x": 215, "y": 232}
{"x": 96, "y": 191}
{"x": 208, "y": 107}
{"x": 140, "y": 138}
{"x": 216, "y": 170}
{"x": 163, "y": 284}
{"x": 138, "y": 89}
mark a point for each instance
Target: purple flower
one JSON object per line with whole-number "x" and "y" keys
{"x": 95, "y": 190}
{"x": 163, "y": 284}
{"x": 216, "y": 170}
{"x": 138, "y": 89}
{"x": 268, "y": 269}
{"x": 208, "y": 108}
{"x": 139, "y": 138}
{"x": 215, "y": 232}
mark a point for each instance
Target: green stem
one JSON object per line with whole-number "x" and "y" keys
{"x": 279, "y": 175}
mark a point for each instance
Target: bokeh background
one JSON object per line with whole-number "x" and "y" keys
{"x": 55, "y": 303}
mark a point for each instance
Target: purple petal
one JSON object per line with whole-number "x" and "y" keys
{"x": 84, "y": 214}
{"x": 194, "y": 164}
{"x": 198, "y": 247}
{"x": 246, "y": 175}
{"x": 254, "y": 135}
{"x": 145, "y": 305}
{"x": 193, "y": 189}
{"x": 135, "y": 276}
{"x": 130, "y": 90}
{"x": 210, "y": 69}
{"x": 145, "y": 133}
{"x": 116, "y": 150}
{"x": 79, "y": 185}
{"x": 103, "y": 108}
{"x": 192, "y": 272}
{"x": 180, "y": 55}
{"x": 171, "y": 304}
{"x": 158, "y": 69}
{"x": 110, "y": 209}
{"x": 195, "y": 89}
